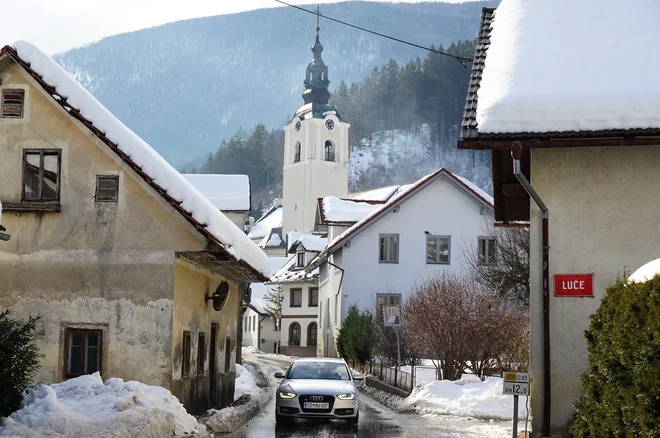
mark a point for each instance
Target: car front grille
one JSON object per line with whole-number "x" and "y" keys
{"x": 318, "y": 399}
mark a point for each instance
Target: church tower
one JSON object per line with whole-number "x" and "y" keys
{"x": 315, "y": 150}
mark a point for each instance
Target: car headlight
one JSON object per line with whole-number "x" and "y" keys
{"x": 350, "y": 396}
{"x": 287, "y": 395}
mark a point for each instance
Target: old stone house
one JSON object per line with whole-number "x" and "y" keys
{"x": 135, "y": 274}
{"x": 574, "y": 128}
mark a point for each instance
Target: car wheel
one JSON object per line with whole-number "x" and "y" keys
{"x": 282, "y": 419}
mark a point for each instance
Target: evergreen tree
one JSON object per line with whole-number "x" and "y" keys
{"x": 355, "y": 339}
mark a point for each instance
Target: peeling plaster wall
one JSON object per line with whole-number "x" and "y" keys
{"x": 192, "y": 313}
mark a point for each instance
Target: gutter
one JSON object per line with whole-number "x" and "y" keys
{"x": 516, "y": 154}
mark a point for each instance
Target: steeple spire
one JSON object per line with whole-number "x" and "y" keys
{"x": 316, "y": 78}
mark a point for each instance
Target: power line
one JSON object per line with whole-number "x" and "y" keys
{"x": 460, "y": 59}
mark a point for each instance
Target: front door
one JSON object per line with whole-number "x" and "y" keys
{"x": 213, "y": 372}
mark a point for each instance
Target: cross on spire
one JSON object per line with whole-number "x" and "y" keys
{"x": 318, "y": 17}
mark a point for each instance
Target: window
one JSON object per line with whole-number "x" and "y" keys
{"x": 254, "y": 323}
{"x": 83, "y": 352}
{"x": 301, "y": 259}
{"x": 437, "y": 249}
{"x": 296, "y": 152}
{"x": 486, "y": 251}
{"x": 312, "y": 332}
{"x": 329, "y": 151}
{"x": 41, "y": 174}
{"x": 185, "y": 358}
{"x": 107, "y": 188}
{"x": 313, "y": 300}
{"x": 227, "y": 354}
{"x": 389, "y": 248}
{"x": 201, "y": 352}
{"x": 294, "y": 334}
{"x": 296, "y": 297}
{"x": 383, "y": 300}
{"x": 12, "y": 103}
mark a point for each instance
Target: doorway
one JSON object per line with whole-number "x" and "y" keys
{"x": 213, "y": 372}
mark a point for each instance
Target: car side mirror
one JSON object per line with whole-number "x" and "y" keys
{"x": 358, "y": 376}
{"x": 279, "y": 375}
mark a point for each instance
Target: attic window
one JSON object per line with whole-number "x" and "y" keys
{"x": 107, "y": 188}
{"x": 12, "y": 103}
{"x": 301, "y": 259}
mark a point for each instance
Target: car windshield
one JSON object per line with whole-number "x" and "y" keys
{"x": 318, "y": 371}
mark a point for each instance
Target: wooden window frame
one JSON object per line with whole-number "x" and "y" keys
{"x": 300, "y": 259}
{"x": 484, "y": 259}
{"x": 437, "y": 260}
{"x": 185, "y": 354}
{"x": 296, "y": 289}
{"x": 388, "y": 238}
{"x": 309, "y": 297}
{"x": 291, "y": 327}
{"x": 42, "y": 153}
{"x": 99, "y": 178}
{"x": 67, "y": 332}
{"x": 227, "y": 354}
{"x": 311, "y": 325}
{"x": 201, "y": 352}
{"x": 19, "y": 91}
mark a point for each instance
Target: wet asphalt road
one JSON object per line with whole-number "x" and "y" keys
{"x": 376, "y": 420}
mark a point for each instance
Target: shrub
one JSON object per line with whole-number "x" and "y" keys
{"x": 621, "y": 383}
{"x": 355, "y": 339}
{"x": 19, "y": 360}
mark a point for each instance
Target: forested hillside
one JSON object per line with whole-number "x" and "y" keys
{"x": 188, "y": 85}
{"x": 404, "y": 119}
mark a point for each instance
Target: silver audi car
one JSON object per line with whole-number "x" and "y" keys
{"x": 317, "y": 387}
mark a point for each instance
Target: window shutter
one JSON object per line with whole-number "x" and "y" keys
{"x": 107, "y": 188}
{"x": 12, "y": 103}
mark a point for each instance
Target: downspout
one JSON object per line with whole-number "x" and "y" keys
{"x": 341, "y": 279}
{"x": 516, "y": 153}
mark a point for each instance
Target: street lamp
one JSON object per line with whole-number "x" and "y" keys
{"x": 4, "y": 236}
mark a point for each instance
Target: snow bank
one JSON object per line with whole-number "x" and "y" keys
{"x": 550, "y": 67}
{"x": 245, "y": 384}
{"x": 226, "y": 192}
{"x": 467, "y": 397}
{"x": 85, "y": 406}
{"x": 163, "y": 174}
{"x": 646, "y": 272}
{"x": 251, "y": 350}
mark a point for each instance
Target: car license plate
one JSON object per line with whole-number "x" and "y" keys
{"x": 316, "y": 405}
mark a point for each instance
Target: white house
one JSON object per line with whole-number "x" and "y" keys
{"x": 420, "y": 232}
{"x": 300, "y": 293}
{"x": 229, "y": 193}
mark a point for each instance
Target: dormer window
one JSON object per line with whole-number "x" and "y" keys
{"x": 301, "y": 259}
{"x": 329, "y": 151}
{"x": 13, "y": 101}
{"x": 296, "y": 152}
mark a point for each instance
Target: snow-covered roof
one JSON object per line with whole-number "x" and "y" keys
{"x": 309, "y": 242}
{"x": 570, "y": 66}
{"x": 226, "y": 192}
{"x": 259, "y": 290}
{"x": 290, "y": 273}
{"x": 461, "y": 183}
{"x": 646, "y": 272}
{"x": 271, "y": 219}
{"x": 153, "y": 168}
{"x": 344, "y": 210}
{"x": 379, "y": 194}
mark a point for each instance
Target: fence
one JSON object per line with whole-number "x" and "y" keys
{"x": 392, "y": 376}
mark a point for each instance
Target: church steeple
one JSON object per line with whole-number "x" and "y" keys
{"x": 316, "y": 78}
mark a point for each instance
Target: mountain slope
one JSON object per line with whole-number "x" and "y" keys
{"x": 185, "y": 86}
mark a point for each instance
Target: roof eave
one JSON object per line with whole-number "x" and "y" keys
{"x": 567, "y": 142}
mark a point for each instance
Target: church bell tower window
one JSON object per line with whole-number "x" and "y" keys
{"x": 329, "y": 151}
{"x": 296, "y": 152}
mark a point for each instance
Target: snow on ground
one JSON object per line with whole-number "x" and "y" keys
{"x": 246, "y": 383}
{"x": 85, "y": 406}
{"x": 142, "y": 154}
{"x": 549, "y": 67}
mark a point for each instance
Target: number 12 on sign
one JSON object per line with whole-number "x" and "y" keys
{"x": 512, "y": 388}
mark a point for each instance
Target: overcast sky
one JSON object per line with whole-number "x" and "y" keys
{"x": 59, "y": 25}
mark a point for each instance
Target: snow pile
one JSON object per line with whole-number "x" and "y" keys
{"x": 85, "y": 406}
{"x": 226, "y": 192}
{"x": 646, "y": 272}
{"x": 312, "y": 243}
{"x": 341, "y": 210}
{"x": 246, "y": 384}
{"x": 550, "y": 67}
{"x": 467, "y": 397}
{"x": 251, "y": 350}
{"x": 274, "y": 241}
{"x": 163, "y": 174}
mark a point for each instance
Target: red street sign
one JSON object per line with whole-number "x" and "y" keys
{"x": 574, "y": 285}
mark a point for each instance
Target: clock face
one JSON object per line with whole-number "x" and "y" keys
{"x": 330, "y": 124}
{"x": 298, "y": 125}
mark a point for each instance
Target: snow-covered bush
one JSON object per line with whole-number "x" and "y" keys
{"x": 19, "y": 360}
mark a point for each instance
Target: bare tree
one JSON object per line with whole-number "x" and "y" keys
{"x": 500, "y": 262}
{"x": 385, "y": 337}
